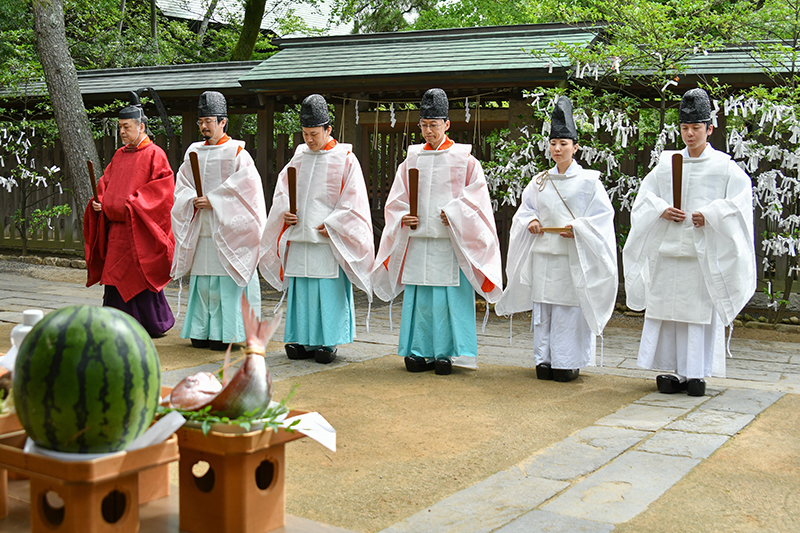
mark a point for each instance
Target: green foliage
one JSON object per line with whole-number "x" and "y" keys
{"x": 645, "y": 43}
{"x": 469, "y": 13}
{"x": 40, "y": 218}
{"x": 35, "y": 185}
{"x": 373, "y": 16}
{"x": 100, "y": 36}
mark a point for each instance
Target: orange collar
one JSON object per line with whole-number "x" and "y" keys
{"x": 222, "y": 140}
{"x": 330, "y": 144}
{"x": 144, "y": 142}
{"x": 447, "y": 143}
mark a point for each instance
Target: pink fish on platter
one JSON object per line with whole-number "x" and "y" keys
{"x": 249, "y": 390}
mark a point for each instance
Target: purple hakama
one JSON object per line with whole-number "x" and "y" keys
{"x": 149, "y": 308}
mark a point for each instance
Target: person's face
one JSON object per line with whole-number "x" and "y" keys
{"x": 695, "y": 136}
{"x": 130, "y": 129}
{"x": 316, "y": 138}
{"x": 433, "y": 130}
{"x": 212, "y": 129}
{"x": 563, "y": 150}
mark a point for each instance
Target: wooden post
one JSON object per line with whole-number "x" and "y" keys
{"x": 189, "y": 128}
{"x": 265, "y": 154}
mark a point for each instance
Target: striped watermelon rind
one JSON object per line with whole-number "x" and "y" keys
{"x": 86, "y": 380}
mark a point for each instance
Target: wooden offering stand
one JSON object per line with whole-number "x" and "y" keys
{"x": 243, "y": 488}
{"x": 8, "y": 424}
{"x": 94, "y": 496}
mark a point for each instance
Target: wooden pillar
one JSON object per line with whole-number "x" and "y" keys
{"x": 189, "y": 128}
{"x": 174, "y": 154}
{"x": 265, "y": 151}
{"x": 519, "y": 114}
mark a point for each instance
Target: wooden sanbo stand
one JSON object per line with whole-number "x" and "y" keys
{"x": 98, "y": 495}
{"x": 243, "y": 490}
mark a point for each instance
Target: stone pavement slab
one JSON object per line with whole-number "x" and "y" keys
{"x": 693, "y": 445}
{"x": 483, "y": 507}
{"x": 582, "y": 453}
{"x": 170, "y": 378}
{"x": 743, "y": 401}
{"x": 623, "y": 488}
{"x": 544, "y": 522}
{"x": 675, "y": 400}
{"x": 643, "y": 417}
{"x": 708, "y": 421}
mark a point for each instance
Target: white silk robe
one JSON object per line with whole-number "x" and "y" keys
{"x": 468, "y": 207}
{"x": 224, "y": 240}
{"x": 548, "y": 270}
{"x": 330, "y": 191}
{"x": 687, "y": 275}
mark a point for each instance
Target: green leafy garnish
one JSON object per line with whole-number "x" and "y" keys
{"x": 268, "y": 417}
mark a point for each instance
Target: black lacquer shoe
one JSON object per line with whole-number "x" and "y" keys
{"x": 565, "y": 374}
{"x": 298, "y": 351}
{"x": 415, "y": 363}
{"x": 325, "y": 355}
{"x": 443, "y": 366}
{"x": 544, "y": 371}
{"x": 669, "y": 384}
{"x": 696, "y": 387}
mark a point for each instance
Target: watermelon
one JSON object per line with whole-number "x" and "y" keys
{"x": 86, "y": 380}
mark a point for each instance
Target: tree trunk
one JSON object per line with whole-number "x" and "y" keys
{"x": 65, "y": 95}
{"x": 121, "y": 19}
{"x": 204, "y": 25}
{"x": 154, "y": 24}
{"x": 251, "y": 26}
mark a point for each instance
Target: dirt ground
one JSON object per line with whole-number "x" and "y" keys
{"x": 406, "y": 441}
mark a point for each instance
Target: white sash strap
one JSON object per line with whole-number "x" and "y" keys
{"x": 180, "y": 290}
{"x": 274, "y": 311}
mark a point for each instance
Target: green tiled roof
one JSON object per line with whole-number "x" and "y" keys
{"x": 731, "y": 60}
{"x": 394, "y": 61}
{"x": 169, "y": 80}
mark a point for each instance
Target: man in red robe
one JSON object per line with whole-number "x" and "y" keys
{"x": 127, "y": 229}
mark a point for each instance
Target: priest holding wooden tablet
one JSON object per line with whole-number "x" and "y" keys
{"x": 439, "y": 246}
{"x": 689, "y": 257}
{"x": 318, "y": 241}
{"x": 562, "y": 257}
{"x": 218, "y": 219}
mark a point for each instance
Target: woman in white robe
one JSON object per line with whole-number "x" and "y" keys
{"x": 568, "y": 276}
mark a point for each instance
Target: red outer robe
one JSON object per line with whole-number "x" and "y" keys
{"x": 129, "y": 244}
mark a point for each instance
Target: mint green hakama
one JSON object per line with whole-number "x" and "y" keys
{"x": 214, "y": 309}
{"x": 439, "y": 322}
{"x": 320, "y": 312}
